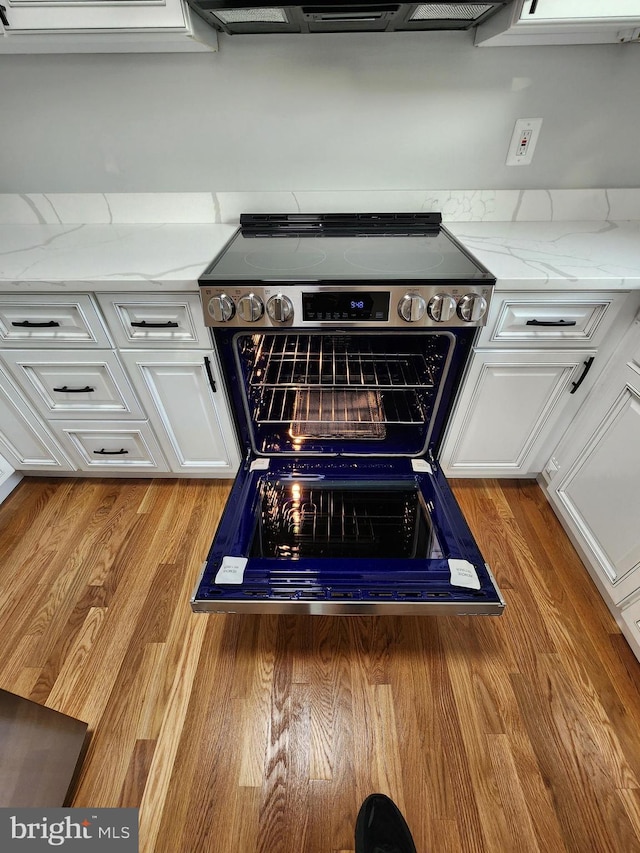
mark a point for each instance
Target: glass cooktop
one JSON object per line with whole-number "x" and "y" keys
{"x": 361, "y": 251}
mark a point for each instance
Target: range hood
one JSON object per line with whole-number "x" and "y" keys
{"x": 339, "y": 16}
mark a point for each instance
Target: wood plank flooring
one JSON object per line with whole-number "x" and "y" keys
{"x": 262, "y": 734}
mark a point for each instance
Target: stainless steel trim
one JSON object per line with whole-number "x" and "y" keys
{"x": 193, "y": 598}
{"x": 341, "y": 608}
{"x": 495, "y": 585}
{"x": 295, "y": 290}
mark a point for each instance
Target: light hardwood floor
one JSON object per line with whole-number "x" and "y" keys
{"x": 262, "y": 734}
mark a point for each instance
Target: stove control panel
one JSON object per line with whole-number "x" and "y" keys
{"x": 346, "y": 305}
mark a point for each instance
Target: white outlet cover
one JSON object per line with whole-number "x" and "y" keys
{"x": 521, "y": 126}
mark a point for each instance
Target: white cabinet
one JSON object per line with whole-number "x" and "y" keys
{"x": 153, "y": 404}
{"x": 593, "y": 478}
{"x": 166, "y": 349}
{"x": 594, "y": 473}
{"x": 511, "y": 403}
{"x": 56, "y": 26}
{"x": 25, "y": 441}
{"x": 184, "y": 398}
{"x": 533, "y": 364}
{"x": 9, "y": 478}
{"x": 562, "y": 22}
{"x": 629, "y": 621}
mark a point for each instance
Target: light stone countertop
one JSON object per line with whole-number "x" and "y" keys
{"x": 558, "y": 255}
{"x": 56, "y": 258}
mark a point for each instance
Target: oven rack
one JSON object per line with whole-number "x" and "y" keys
{"x": 327, "y": 360}
{"x": 339, "y": 413}
{"x": 298, "y": 521}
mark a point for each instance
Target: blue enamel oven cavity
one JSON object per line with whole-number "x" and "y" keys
{"x": 341, "y": 390}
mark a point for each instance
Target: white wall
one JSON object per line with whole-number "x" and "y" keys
{"x": 361, "y": 111}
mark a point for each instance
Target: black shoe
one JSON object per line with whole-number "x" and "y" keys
{"x": 381, "y": 828}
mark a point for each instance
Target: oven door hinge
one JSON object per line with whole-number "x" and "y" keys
{"x": 421, "y": 466}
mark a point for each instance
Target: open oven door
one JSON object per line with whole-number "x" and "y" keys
{"x": 344, "y": 536}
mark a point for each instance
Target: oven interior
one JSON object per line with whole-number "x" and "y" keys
{"x": 299, "y": 519}
{"x": 346, "y": 393}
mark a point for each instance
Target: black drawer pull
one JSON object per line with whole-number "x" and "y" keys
{"x": 587, "y": 368}
{"x": 103, "y": 452}
{"x": 551, "y": 322}
{"x": 3, "y": 16}
{"x": 29, "y": 324}
{"x": 143, "y": 324}
{"x": 65, "y": 388}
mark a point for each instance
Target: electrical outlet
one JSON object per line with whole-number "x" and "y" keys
{"x": 523, "y": 142}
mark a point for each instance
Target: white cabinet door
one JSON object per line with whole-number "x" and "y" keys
{"x": 102, "y": 26}
{"x": 630, "y": 624}
{"x": 598, "y": 483}
{"x": 9, "y": 478}
{"x": 24, "y": 440}
{"x": 512, "y": 402}
{"x": 579, "y": 10}
{"x": 562, "y": 22}
{"x": 91, "y": 15}
{"x": 190, "y": 418}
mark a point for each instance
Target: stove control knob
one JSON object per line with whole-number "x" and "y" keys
{"x": 441, "y": 307}
{"x": 221, "y": 308}
{"x": 412, "y": 307}
{"x": 280, "y": 308}
{"x": 472, "y": 307}
{"x": 250, "y": 308}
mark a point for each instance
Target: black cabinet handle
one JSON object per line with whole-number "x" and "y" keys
{"x": 533, "y": 8}
{"x": 587, "y": 368}
{"x": 143, "y": 324}
{"x": 3, "y": 16}
{"x": 551, "y": 322}
{"x": 65, "y": 388}
{"x": 212, "y": 381}
{"x": 103, "y": 452}
{"x": 29, "y": 324}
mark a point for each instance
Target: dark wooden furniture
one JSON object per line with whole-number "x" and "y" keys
{"x": 39, "y": 751}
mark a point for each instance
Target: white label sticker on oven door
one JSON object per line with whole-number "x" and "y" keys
{"x": 231, "y": 570}
{"x": 463, "y": 573}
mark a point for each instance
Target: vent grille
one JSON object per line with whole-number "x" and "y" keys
{"x": 250, "y": 16}
{"x": 453, "y": 11}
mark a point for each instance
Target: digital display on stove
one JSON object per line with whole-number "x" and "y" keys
{"x": 345, "y": 305}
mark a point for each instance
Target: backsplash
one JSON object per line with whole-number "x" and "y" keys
{"x": 226, "y": 207}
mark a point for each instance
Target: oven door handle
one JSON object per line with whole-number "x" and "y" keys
{"x": 207, "y": 366}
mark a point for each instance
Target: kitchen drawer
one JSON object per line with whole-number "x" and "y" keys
{"x": 43, "y": 320}
{"x": 63, "y": 385}
{"x": 160, "y": 321}
{"x": 550, "y": 319}
{"x": 126, "y": 446}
